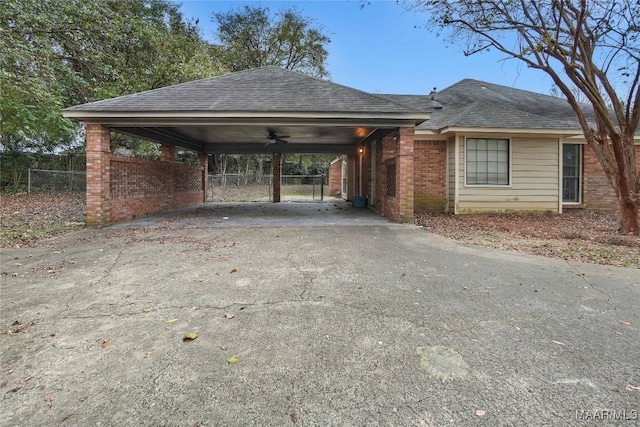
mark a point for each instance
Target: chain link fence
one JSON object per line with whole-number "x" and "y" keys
{"x": 56, "y": 181}
{"x": 259, "y": 187}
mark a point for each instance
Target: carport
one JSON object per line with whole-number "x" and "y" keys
{"x": 263, "y": 110}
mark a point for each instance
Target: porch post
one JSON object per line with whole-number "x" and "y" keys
{"x": 167, "y": 154}
{"x": 203, "y": 160}
{"x": 404, "y": 175}
{"x": 98, "y": 175}
{"x": 277, "y": 173}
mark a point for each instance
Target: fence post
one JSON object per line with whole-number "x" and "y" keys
{"x": 321, "y": 188}
{"x": 29, "y": 181}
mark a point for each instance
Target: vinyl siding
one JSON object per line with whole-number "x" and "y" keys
{"x": 534, "y": 180}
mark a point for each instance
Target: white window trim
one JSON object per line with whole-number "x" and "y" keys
{"x": 488, "y": 185}
{"x": 580, "y": 174}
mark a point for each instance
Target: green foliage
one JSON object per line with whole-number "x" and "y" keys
{"x": 14, "y": 165}
{"x": 58, "y": 53}
{"x": 252, "y": 37}
{"x": 306, "y": 164}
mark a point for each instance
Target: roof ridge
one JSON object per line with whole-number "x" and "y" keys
{"x": 380, "y": 97}
{"x": 511, "y": 88}
{"x": 462, "y": 113}
{"x": 510, "y": 109}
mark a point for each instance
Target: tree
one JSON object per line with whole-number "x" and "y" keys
{"x": 57, "y": 53}
{"x": 588, "y": 45}
{"x": 253, "y": 37}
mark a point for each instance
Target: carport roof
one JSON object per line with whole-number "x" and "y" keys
{"x": 265, "y": 89}
{"x": 237, "y": 111}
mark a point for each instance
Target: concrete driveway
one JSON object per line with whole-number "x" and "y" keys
{"x": 359, "y": 323}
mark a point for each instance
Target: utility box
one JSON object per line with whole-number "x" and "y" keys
{"x": 359, "y": 202}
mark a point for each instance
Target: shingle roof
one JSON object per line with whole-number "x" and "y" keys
{"x": 265, "y": 89}
{"x": 473, "y": 103}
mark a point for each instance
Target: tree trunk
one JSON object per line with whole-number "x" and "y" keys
{"x": 616, "y": 156}
{"x": 629, "y": 216}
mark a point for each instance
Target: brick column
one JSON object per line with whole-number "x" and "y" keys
{"x": 98, "y": 175}
{"x": 386, "y": 201}
{"x": 167, "y": 154}
{"x": 277, "y": 172}
{"x": 203, "y": 160}
{"x": 405, "y": 176}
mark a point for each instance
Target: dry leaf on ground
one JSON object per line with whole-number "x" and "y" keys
{"x": 190, "y": 336}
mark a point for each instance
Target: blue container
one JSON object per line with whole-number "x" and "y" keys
{"x": 359, "y": 202}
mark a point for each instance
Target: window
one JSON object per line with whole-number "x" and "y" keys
{"x": 571, "y": 173}
{"x": 487, "y": 161}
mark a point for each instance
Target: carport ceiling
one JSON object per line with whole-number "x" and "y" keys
{"x": 236, "y": 112}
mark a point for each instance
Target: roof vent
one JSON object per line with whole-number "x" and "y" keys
{"x": 432, "y": 94}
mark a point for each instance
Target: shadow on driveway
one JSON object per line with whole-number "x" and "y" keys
{"x": 261, "y": 214}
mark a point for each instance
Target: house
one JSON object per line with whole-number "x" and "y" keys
{"x": 473, "y": 147}
{"x": 486, "y": 148}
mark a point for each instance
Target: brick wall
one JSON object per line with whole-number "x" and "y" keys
{"x": 597, "y": 193}
{"x": 430, "y": 171}
{"x": 334, "y": 178}
{"x": 142, "y": 187}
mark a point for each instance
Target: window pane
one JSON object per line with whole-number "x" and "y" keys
{"x": 487, "y": 161}
{"x": 571, "y": 173}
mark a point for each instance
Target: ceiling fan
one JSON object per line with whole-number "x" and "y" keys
{"x": 274, "y": 138}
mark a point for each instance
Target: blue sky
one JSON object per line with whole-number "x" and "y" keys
{"x": 379, "y": 49}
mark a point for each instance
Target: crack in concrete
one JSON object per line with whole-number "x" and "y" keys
{"x": 584, "y": 277}
{"x": 109, "y": 269}
{"x": 188, "y": 307}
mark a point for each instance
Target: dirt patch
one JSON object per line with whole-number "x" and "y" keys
{"x": 575, "y": 235}
{"x": 30, "y": 217}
